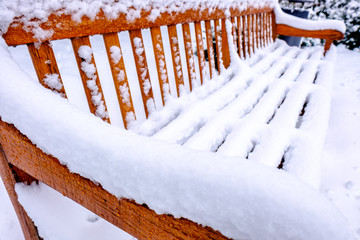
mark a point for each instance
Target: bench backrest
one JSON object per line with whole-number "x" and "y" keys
{"x": 251, "y": 28}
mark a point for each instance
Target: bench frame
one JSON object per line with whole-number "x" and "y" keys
{"x": 22, "y": 161}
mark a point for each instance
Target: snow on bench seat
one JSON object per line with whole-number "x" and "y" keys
{"x": 260, "y": 109}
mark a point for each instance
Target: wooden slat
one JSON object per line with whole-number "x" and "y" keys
{"x": 91, "y": 82}
{"x": 118, "y": 71}
{"x": 175, "y": 54}
{"x": 189, "y": 54}
{"x": 262, "y": 43}
{"x": 249, "y": 31}
{"x": 234, "y": 32}
{"x": 200, "y": 51}
{"x": 225, "y": 44}
{"x": 142, "y": 70}
{"x": 267, "y": 28}
{"x": 138, "y": 220}
{"x": 44, "y": 62}
{"x": 10, "y": 178}
{"x": 273, "y": 26}
{"x": 63, "y": 26}
{"x": 160, "y": 62}
{"x": 218, "y": 45}
{"x": 244, "y": 36}
{"x": 257, "y": 31}
{"x": 253, "y": 32}
{"x": 240, "y": 37}
{"x": 210, "y": 47}
{"x": 282, "y": 29}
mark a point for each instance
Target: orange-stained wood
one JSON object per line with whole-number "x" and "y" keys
{"x": 225, "y": 44}
{"x": 189, "y": 54}
{"x": 138, "y": 220}
{"x": 9, "y": 177}
{"x": 64, "y": 27}
{"x": 176, "y": 59}
{"x": 257, "y": 27}
{"x": 249, "y": 33}
{"x": 45, "y": 65}
{"x": 210, "y": 48}
{"x": 160, "y": 62}
{"x": 244, "y": 36}
{"x": 90, "y": 79}
{"x": 120, "y": 79}
{"x": 218, "y": 45}
{"x": 142, "y": 70}
{"x": 273, "y": 26}
{"x": 200, "y": 51}
{"x": 253, "y": 32}
{"x": 239, "y": 39}
{"x": 234, "y": 33}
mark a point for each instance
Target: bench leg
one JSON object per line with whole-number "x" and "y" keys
{"x": 10, "y": 176}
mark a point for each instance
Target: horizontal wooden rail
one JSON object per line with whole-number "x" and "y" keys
{"x": 64, "y": 27}
{"x": 138, "y": 220}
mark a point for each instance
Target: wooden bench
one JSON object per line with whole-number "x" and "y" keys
{"x": 244, "y": 95}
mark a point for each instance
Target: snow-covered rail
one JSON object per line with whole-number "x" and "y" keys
{"x": 232, "y": 99}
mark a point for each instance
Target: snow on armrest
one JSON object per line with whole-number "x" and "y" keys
{"x": 305, "y": 24}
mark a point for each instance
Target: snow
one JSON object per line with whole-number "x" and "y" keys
{"x": 287, "y": 19}
{"x": 191, "y": 187}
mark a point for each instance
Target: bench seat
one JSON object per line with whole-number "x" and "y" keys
{"x": 268, "y": 109}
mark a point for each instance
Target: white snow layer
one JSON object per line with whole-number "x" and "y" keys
{"x": 296, "y": 22}
{"x": 241, "y": 199}
{"x": 41, "y": 9}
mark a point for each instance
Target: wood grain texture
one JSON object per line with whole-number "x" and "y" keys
{"x": 142, "y": 70}
{"x": 10, "y": 176}
{"x": 176, "y": 59}
{"x": 190, "y": 61}
{"x": 138, "y": 220}
{"x": 200, "y": 51}
{"x": 225, "y": 44}
{"x": 91, "y": 91}
{"x": 159, "y": 54}
{"x": 44, "y": 62}
{"x": 64, "y": 27}
{"x": 120, "y": 79}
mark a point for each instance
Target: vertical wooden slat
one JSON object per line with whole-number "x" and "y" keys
{"x": 46, "y": 68}
{"x": 225, "y": 44}
{"x": 244, "y": 36}
{"x": 257, "y": 31}
{"x": 240, "y": 39}
{"x": 10, "y": 177}
{"x": 253, "y": 32}
{"x": 90, "y": 77}
{"x": 189, "y": 54}
{"x": 248, "y": 22}
{"x": 200, "y": 50}
{"x": 142, "y": 70}
{"x": 118, "y": 71}
{"x": 261, "y": 30}
{"x": 266, "y": 28}
{"x": 175, "y": 54}
{"x": 218, "y": 45}
{"x": 160, "y": 62}
{"x": 234, "y": 32}
{"x": 210, "y": 47}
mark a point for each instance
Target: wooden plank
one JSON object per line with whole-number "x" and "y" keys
{"x": 176, "y": 59}
{"x": 273, "y": 26}
{"x": 267, "y": 27}
{"x": 10, "y": 178}
{"x": 190, "y": 62}
{"x": 262, "y": 43}
{"x": 118, "y": 71}
{"x": 244, "y": 36}
{"x": 210, "y": 47}
{"x": 46, "y": 68}
{"x": 234, "y": 32}
{"x": 160, "y": 62}
{"x": 142, "y": 70}
{"x": 200, "y": 51}
{"x": 63, "y": 26}
{"x": 240, "y": 37}
{"x": 249, "y": 33}
{"x": 282, "y": 29}
{"x": 218, "y": 45}
{"x": 225, "y": 44}
{"x": 253, "y": 32}
{"x": 138, "y": 220}
{"x": 257, "y": 27}
{"x": 90, "y": 77}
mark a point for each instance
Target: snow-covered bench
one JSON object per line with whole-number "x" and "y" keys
{"x": 193, "y": 168}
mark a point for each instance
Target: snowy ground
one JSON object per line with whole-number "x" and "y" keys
{"x": 341, "y": 176}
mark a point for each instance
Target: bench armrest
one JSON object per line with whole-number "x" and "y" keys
{"x": 289, "y": 25}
